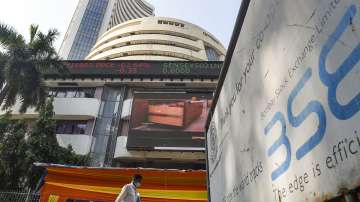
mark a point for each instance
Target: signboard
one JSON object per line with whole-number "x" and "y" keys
{"x": 286, "y": 126}
{"x": 142, "y": 69}
{"x": 169, "y": 121}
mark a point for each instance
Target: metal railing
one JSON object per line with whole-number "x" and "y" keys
{"x": 18, "y": 196}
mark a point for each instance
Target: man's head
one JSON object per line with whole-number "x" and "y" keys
{"x": 137, "y": 180}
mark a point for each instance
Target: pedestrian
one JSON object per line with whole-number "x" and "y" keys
{"x": 128, "y": 192}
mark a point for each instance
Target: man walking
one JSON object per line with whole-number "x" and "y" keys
{"x": 128, "y": 192}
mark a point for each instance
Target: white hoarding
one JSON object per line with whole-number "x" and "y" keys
{"x": 286, "y": 126}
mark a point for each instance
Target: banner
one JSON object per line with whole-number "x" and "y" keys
{"x": 286, "y": 126}
{"x": 69, "y": 183}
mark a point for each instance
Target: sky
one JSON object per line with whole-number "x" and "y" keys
{"x": 215, "y": 17}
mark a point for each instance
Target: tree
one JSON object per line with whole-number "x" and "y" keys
{"x": 43, "y": 146}
{"x": 22, "y": 65}
{"x": 19, "y": 149}
{"x": 12, "y": 152}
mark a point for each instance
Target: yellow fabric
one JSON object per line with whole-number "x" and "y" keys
{"x": 53, "y": 198}
{"x": 149, "y": 193}
{"x": 174, "y": 194}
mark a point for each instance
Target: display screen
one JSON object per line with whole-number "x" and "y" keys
{"x": 168, "y": 121}
{"x": 141, "y": 69}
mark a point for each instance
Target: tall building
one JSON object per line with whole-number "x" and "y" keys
{"x": 141, "y": 97}
{"x": 133, "y": 113}
{"x": 92, "y": 18}
{"x": 157, "y": 38}
{"x": 125, "y": 10}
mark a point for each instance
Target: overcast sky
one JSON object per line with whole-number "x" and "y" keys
{"x": 216, "y": 16}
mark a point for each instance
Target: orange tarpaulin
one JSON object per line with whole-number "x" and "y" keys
{"x": 103, "y": 184}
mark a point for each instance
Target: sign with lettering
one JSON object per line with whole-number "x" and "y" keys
{"x": 286, "y": 125}
{"x": 142, "y": 69}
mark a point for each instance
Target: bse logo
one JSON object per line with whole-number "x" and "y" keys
{"x": 213, "y": 144}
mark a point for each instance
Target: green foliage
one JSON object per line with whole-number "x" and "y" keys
{"x": 18, "y": 153}
{"x": 43, "y": 144}
{"x": 12, "y": 152}
{"x": 22, "y": 65}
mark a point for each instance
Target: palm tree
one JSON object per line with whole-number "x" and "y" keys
{"x": 23, "y": 64}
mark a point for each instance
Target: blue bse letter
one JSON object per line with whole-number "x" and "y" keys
{"x": 312, "y": 107}
{"x": 282, "y": 140}
{"x": 342, "y": 112}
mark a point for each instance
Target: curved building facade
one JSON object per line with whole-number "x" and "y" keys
{"x": 125, "y": 10}
{"x": 157, "y": 38}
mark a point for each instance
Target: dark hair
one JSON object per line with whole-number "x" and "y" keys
{"x": 137, "y": 178}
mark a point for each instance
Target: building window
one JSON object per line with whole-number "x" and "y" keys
{"x": 170, "y": 23}
{"x": 211, "y": 54}
{"x": 71, "y": 127}
{"x": 72, "y": 92}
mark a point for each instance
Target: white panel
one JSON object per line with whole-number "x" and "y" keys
{"x": 126, "y": 110}
{"x": 64, "y": 108}
{"x": 79, "y": 143}
{"x": 86, "y": 107}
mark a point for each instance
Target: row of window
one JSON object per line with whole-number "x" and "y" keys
{"x": 135, "y": 11}
{"x": 149, "y": 42}
{"x": 187, "y": 37}
{"x": 72, "y": 92}
{"x": 166, "y": 22}
{"x": 71, "y": 127}
{"x": 144, "y": 6}
{"x": 152, "y": 53}
{"x": 126, "y": 11}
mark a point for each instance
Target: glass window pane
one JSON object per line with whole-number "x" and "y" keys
{"x": 89, "y": 92}
{"x": 70, "y": 93}
{"x": 61, "y": 94}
